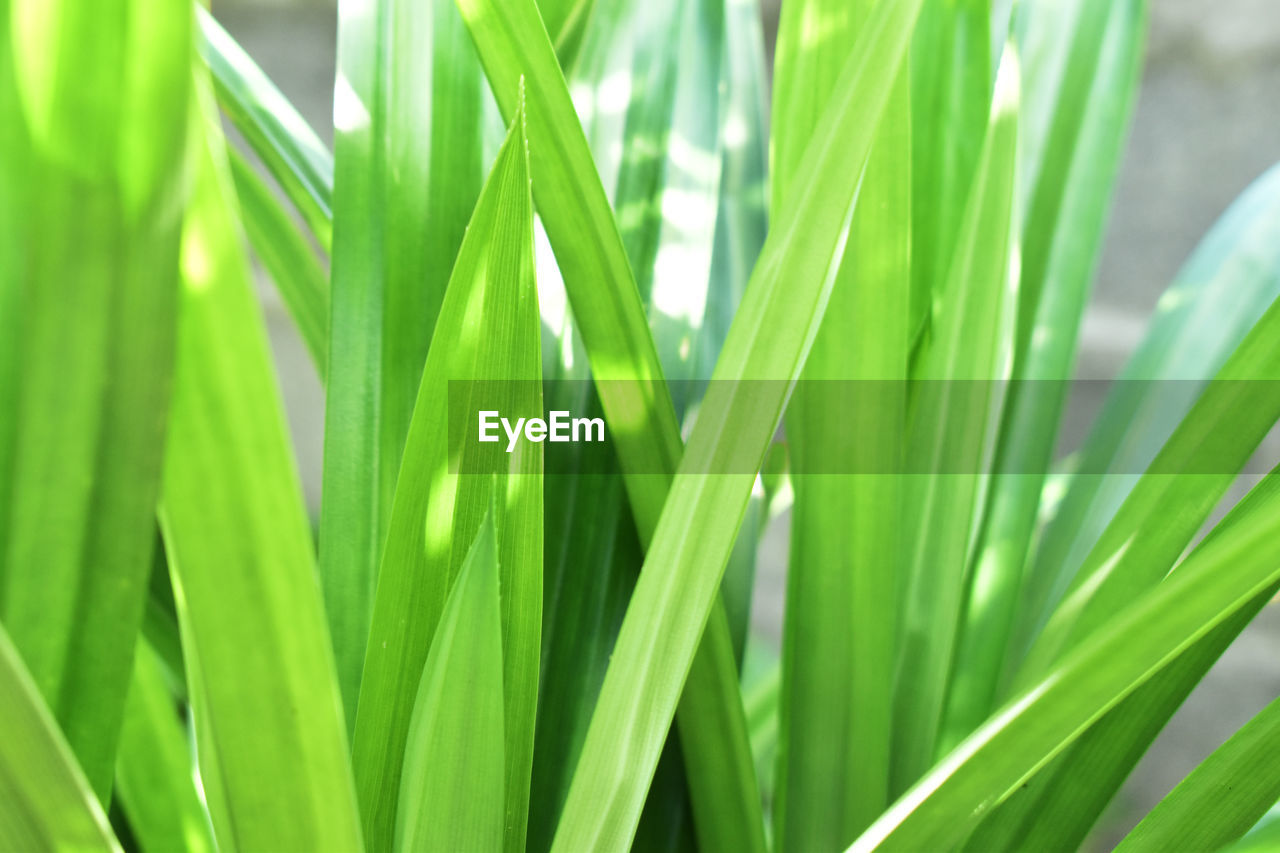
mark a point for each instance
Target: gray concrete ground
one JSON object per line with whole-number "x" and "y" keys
{"x": 1207, "y": 123}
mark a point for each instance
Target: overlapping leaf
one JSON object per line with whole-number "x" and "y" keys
{"x": 487, "y": 345}
{"x": 268, "y": 717}
{"x": 95, "y": 118}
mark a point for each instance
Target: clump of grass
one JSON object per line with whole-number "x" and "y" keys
{"x": 581, "y": 206}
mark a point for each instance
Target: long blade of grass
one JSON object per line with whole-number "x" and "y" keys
{"x": 589, "y": 250}
{"x": 275, "y": 130}
{"x": 45, "y": 800}
{"x": 154, "y": 782}
{"x": 1062, "y": 802}
{"x": 102, "y": 90}
{"x": 1079, "y": 92}
{"x": 1207, "y": 450}
{"x": 408, "y": 171}
{"x": 839, "y": 647}
{"x": 954, "y": 57}
{"x": 268, "y": 717}
{"x": 954, "y": 418}
{"x": 607, "y": 307}
{"x": 678, "y": 585}
{"x": 1222, "y": 798}
{"x": 451, "y": 794}
{"x": 288, "y": 258}
{"x": 1224, "y": 574}
{"x": 1214, "y": 302}
{"x": 488, "y": 332}
{"x": 1235, "y": 263}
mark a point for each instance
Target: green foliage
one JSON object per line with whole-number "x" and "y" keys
{"x": 544, "y": 649}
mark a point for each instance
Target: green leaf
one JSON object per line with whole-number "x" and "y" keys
{"x": 268, "y": 719}
{"x": 607, "y": 307}
{"x": 488, "y": 347}
{"x": 273, "y": 127}
{"x": 589, "y": 250}
{"x": 566, "y": 22}
{"x": 1224, "y": 574}
{"x": 1222, "y": 798}
{"x": 90, "y": 300}
{"x": 954, "y": 58}
{"x": 154, "y": 782}
{"x": 769, "y": 338}
{"x": 288, "y": 258}
{"x": 1163, "y": 512}
{"x": 1079, "y": 91}
{"x": 45, "y": 801}
{"x": 408, "y": 170}
{"x": 1063, "y": 801}
{"x": 839, "y": 632}
{"x": 1263, "y": 838}
{"x": 953, "y": 417}
{"x": 451, "y": 794}
{"x": 1214, "y": 302}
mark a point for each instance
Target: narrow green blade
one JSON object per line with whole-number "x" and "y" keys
{"x": 274, "y": 129}
{"x": 288, "y": 258}
{"x": 1079, "y": 91}
{"x": 1193, "y": 470}
{"x": 45, "y": 801}
{"x": 611, "y": 316}
{"x": 954, "y": 58}
{"x": 90, "y": 301}
{"x": 488, "y": 339}
{"x": 1062, "y": 802}
{"x": 839, "y": 631}
{"x": 589, "y": 249}
{"x": 1208, "y": 310}
{"x": 154, "y": 780}
{"x": 268, "y": 718}
{"x": 408, "y": 170}
{"x": 1224, "y": 574}
{"x": 1222, "y": 798}
{"x": 952, "y": 420}
{"x": 451, "y": 794}
{"x": 768, "y": 340}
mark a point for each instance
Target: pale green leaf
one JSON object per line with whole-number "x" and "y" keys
{"x": 408, "y": 118}
{"x": 839, "y": 630}
{"x": 268, "y": 718}
{"x": 45, "y": 801}
{"x": 1223, "y": 575}
{"x": 90, "y": 299}
{"x": 273, "y": 127}
{"x": 1079, "y": 92}
{"x": 682, "y": 572}
{"x": 451, "y": 794}
{"x": 488, "y": 346}
{"x": 155, "y": 785}
{"x": 288, "y": 258}
{"x": 953, "y": 417}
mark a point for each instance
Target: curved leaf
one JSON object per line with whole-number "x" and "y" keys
{"x": 272, "y": 126}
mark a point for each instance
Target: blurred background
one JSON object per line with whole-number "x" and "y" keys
{"x": 1207, "y": 123}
